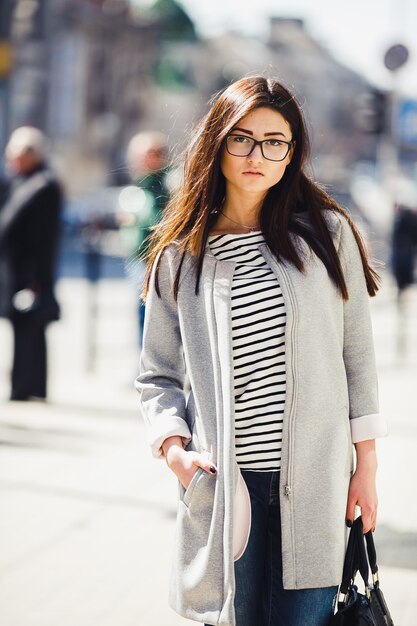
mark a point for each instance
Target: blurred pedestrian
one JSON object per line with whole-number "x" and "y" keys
{"x": 29, "y": 231}
{"x": 404, "y": 246}
{"x": 147, "y": 162}
{"x": 257, "y": 287}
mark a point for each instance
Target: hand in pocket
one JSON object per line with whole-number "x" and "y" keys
{"x": 185, "y": 464}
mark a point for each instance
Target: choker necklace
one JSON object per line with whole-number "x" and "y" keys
{"x": 250, "y": 228}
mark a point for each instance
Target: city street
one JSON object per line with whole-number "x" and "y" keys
{"x": 87, "y": 515}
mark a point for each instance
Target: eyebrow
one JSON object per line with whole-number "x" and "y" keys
{"x": 249, "y": 132}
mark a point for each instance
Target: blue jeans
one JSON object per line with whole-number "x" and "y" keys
{"x": 260, "y": 599}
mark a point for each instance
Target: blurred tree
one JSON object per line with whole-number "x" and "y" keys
{"x": 176, "y": 25}
{"x": 176, "y": 30}
{"x": 173, "y": 73}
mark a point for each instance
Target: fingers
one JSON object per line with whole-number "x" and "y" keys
{"x": 193, "y": 461}
{"x": 206, "y": 464}
{"x": 362, "y": 493}
{"x": 368, "y": 514}
{"x": 350, "y": 512}
{"x": 368, "y": 519}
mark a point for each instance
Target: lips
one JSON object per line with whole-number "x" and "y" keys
{"x": 252, "y": 173}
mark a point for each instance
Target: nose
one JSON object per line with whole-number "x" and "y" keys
{"x": 255, "y": 155}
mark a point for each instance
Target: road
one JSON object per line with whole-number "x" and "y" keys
{"x": 87, "y": 515}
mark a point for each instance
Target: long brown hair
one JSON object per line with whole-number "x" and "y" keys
{"x": 191, "y": 213}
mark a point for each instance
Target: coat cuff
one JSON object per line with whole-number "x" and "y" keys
{"x": 368, "y": 427}
{"x": 175, "y": 427}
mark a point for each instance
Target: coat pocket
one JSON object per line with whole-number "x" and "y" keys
{"x": 188, "y": 493}
{"x": 196, "y": 585}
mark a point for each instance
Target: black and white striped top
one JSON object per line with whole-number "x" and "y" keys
{"x": 258, "y": 347}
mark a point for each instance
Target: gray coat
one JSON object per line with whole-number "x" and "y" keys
{"x": 331, "y": 400}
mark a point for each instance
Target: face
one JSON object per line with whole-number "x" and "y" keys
{"x": 154, "y": 159}
{"x": 151, "y": 159}
{"x": 21, "y": 162}
{"x": 255, "y": 174}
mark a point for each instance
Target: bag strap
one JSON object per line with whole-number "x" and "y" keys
{"x": 355, "y": 559}
{"x": 366, "y": 555}
{"x": 370, "y": 545}
{"x": 362, "y": 555}
{"x": 350, "y": 566}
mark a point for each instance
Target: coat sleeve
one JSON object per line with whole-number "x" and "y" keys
{"x": 358, "y": 347}
{"x": 162, "y": 371}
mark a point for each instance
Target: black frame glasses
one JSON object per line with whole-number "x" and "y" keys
{"x": 255, "y": 142}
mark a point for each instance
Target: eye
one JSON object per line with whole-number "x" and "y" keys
{"x": 276, "y": 142}
{"x": 239, "y": 139}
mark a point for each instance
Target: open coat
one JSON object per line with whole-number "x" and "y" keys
{"x": 331, "y": 401}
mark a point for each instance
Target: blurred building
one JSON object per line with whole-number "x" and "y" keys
{"x": 329, "y": 92}
{"x": 91, "y": 73}
{"x": 178, "y": 91}
{"x": 6, "y": 65}
{"x": 337, "y": 101}
{"x": 81, "y": 72}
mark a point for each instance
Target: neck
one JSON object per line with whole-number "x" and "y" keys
{"x": 241, "y": 209}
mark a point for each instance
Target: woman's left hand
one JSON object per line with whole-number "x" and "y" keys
{"x": 362, "y": 487}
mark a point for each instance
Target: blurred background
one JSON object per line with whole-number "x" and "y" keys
{"x": 86, "y": 516}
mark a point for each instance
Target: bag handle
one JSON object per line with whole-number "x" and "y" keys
{"x": 350, "y": 567}
{"x": 370, "y": 545}
{"x": 356, "y": 559}
{"x": 362, "y": 555}
{"x": 369, "y": 554}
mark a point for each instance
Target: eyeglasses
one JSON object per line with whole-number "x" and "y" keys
{"x": 272, "y": 149}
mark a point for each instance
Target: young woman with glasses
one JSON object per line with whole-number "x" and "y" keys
{"x": 257, "y": 376}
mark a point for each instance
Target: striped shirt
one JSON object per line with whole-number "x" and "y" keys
{"x": 258, "y": 349}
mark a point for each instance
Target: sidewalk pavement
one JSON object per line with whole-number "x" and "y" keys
{"x": 86, "y": 514}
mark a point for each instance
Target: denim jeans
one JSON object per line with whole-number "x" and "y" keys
{"x": 260, "y": 599}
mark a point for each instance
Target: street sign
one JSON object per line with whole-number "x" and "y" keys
{"x": 407, "y": 122}
{"x": 396, "y": 57}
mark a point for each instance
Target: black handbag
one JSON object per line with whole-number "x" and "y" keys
{"x": 354, "y": 608}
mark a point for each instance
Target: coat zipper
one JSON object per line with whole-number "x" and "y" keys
{"x": 288, "y": 485}
{"x": 287, "y": 489}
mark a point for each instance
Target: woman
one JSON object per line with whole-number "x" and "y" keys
{"x": 257, "y": 295}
